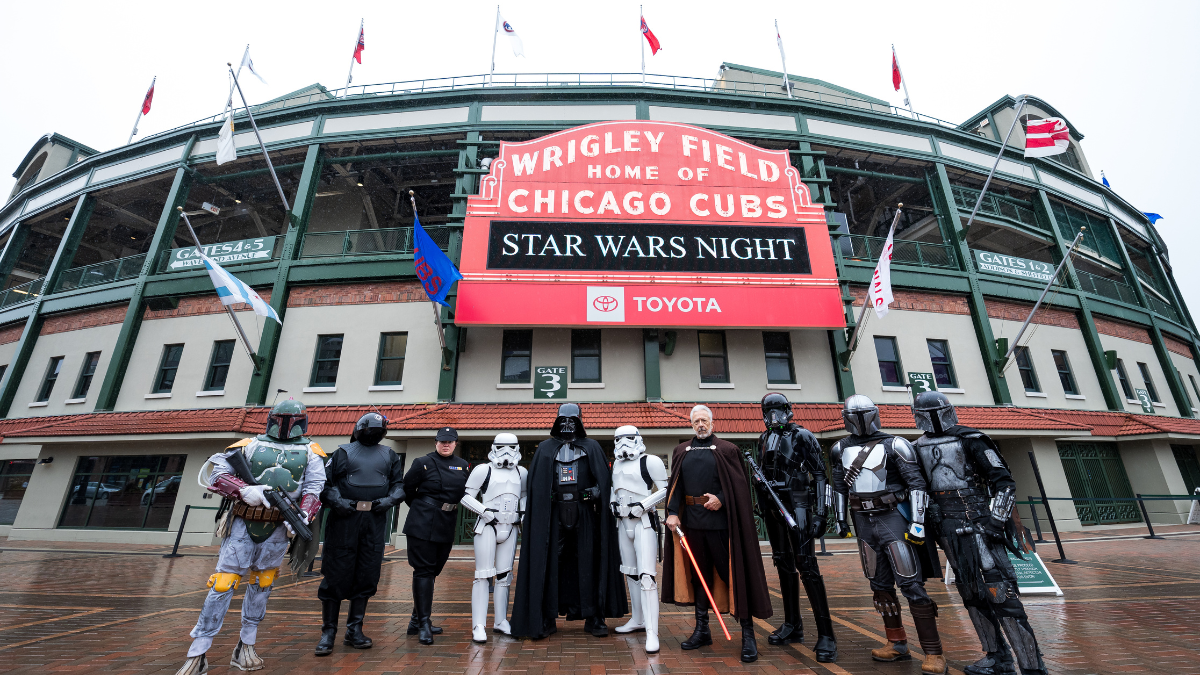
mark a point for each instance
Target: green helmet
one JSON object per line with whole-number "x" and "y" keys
{"x": 287, "y": 421}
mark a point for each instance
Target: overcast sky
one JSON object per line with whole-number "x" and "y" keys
{"x": 1124, "y": 74}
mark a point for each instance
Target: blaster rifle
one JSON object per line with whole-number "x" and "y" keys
{"x": 275, "y": 496}
{"x": 758, "y": 475}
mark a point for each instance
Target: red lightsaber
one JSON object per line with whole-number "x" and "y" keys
{"x": 711, "y": 603}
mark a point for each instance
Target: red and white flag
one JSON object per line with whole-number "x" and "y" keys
{"x": 360, "y": 45}
{"x": 879, "y": 294}
{"x": 149, "y": 97}
{"x": 654, "y": 44}
{"x": 896, "y": 77}
{"x": 1047, "y": 137}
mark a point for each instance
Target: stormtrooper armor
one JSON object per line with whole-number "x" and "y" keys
{"x": 496, "y": 492}
{"x": 639, "y": 484}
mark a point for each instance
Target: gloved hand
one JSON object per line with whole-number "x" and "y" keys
{"x": 637, "y": 510}
{"x": 253, "y": 495}
{"x": 488, "y": 516}
{"x": 816, "y": 526}
{"x": 382, "y": 504}
{"x": 288, "y": 527}
{"x": 915, "y": 534}
{"x": 591, "y": 493}
{"x": 342, "y": 506}
{"x": 993, "y": 529}
{"x": 841, "y": 529}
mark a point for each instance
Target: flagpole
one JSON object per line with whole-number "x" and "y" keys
{"x": 229, "y": 102}
{"x": 999, "y": 156}
{"x": 903, "y": 81}
{"x": 1012, "y": 348}
{"x": 232, "y": 317}
{"x": 787, "y": 82}
{"x": 437, "y": 316}
{"x": 495, "y": 34}
{"x": 867, "y": 300}
{"x": 286, "y": 208}
{"x": 139, "y": 115}
{"x": 642, "y": 39}
{"x": 350, "y": 75}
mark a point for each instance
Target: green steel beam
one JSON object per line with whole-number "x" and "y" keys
{"x": 464, "y": 184}
{"x": 873, "y": 174}
{"x": 268, "y": 344}
{"x": 944, "y": 200}
{"x": 653, "y": 375}
{"x": 33, "y": 324}
{"x": 13, "y": 250}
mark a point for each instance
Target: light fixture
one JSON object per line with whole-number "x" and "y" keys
{"x": 360, "y": 183}
{"x": 45, "y": 460}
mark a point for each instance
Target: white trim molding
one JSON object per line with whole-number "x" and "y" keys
{"x": 319, "y": 390}
{"x": 386, "y": 387}
{"x": 716, "y": 385}
{"x": 514, "y": 385}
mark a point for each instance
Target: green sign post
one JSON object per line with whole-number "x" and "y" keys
{"x": 921, "y": 383}
{"x": 996, "y": 263}
{"x": 1143, "y": 397}
{"x": 550, "y": 382}
{"x": 244, "y": 250}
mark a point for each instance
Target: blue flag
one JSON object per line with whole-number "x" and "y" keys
{"x": 1154, "y": 217}
{"x": 434, "y": 269}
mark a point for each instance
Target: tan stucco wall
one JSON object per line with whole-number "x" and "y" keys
{"x": 1131, "y": 353}
{"x": 72, "y": 345}
{"x": 1041, "y": 339}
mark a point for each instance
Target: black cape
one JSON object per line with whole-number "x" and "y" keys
{"x": 536, "y": 604}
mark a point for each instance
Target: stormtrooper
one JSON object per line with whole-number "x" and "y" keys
{"x": 971, "y": 513}
{"x": 878, "y": 483}
{"x": 496, "y": 492}
{"x": 639, "y": 484}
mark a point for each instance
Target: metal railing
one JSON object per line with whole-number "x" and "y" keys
{"x": 1161, "y": 308}
{"x": 904, "y": 251}
{"x": 994, "y": 205}
{"x": 18, "y": 294}
{"x": 1105, "y": 287}
{"x": 349, "y": 243}
{"x": 102, "y": 272}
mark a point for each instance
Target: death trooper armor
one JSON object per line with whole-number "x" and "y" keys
{"x": 639, "y": 485}
{"x": 877, "y": 482}
{"x": 971, "y": 513}
{"x": 496, "y": 492}
{"x": 793, "y": 465}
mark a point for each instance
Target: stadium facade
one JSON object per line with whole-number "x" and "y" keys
{"x": 122, "y": 373}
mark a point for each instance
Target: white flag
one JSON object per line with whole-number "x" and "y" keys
{"x": 879, "y": 294}
{"x": 247, "y": 62}
{"x": 226, "y": 149}
{"x": 518, "y": 47}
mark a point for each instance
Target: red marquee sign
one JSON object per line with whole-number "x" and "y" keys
{"x": 643, "y": 223}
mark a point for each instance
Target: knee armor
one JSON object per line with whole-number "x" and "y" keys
{"x": 264, "y": 578}
{"x": 904, "y": 560}
{"x": 224, "y": 581}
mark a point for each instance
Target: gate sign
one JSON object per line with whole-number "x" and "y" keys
{"x": 996, "y": 263}
{"x": 642, "y": 223}
{"x": 223, "y": 253}
{"x": 550, "y": 382}
{"x": 922, "y": 382}
{"x": 1143, "y": 397}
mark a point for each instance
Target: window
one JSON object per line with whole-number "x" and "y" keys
{"x": 1185, "y": 391}
{"x": 390, "y": 369}
{"x": 167, "y": 369}
{"x": 1149, "y": 382}
{"x": 2, "y": 369}
{"x": 51, "y": 377}
{"x": 326, "y": 360}
{"x": 14, "y": 480}
{"x": 778, "y": 348}
{"x": 1192, "y": 379}
{"x": 943, "y": 369}
{"x": 516, "y": 356}
{"x": 1025, "y": 366}
{"x": 1064, "y": 372}
{"x": 218, "y": 365}
{"x": 1123, "y": 378}
{"x": 90, "y": 361}
{"x": 714, "y": 363}
{"x": 889, "y": 361}
{"x": 585, "y": 355}
{"x": 129, "y": 492}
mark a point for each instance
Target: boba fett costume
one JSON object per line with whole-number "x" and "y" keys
{"x": 255, "y": 534}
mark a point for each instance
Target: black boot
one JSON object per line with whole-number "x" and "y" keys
{"x": 414, "y": 626}
{"x": 749, "y": 646}
{"x": 596, "y": 626}
{"x": 826, "y": 647}
{"x": 354, "y": 620}
{"x": 701, "y": 635}
{"x": 329, "y": 621}
{"x": 792, "y": 630}
{"x": 423, "y": 603}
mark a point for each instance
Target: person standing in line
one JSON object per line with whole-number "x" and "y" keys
{"x": 433, "y": 487}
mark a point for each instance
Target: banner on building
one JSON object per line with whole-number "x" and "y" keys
{"x": 642, "y": 223}
{"x": 998, "y": 263}
{"x": 245, "y": 250}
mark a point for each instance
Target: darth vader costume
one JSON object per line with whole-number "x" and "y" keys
{"x": 570, "y": 561}
{"x": 971, "y": 515}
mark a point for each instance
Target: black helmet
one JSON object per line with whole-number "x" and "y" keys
{"x": 569, "y": 425}
{"x": 933, "y": 412}
{"x": 776, "y": 410}
{"x": 287, "y": 422}
{"x": 370, "y": 429}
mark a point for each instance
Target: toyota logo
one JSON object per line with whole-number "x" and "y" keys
{"x": 605, "y": 303}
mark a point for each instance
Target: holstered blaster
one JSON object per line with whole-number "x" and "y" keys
{"x": 758, "y": 475}
{"x": 275, "y": 496}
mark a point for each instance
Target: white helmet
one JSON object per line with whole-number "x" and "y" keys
{"x": 506, "y": 451}
{"x": 629, "y": 443}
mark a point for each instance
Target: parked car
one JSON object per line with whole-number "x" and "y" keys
{"x": 98, "y": 490}
{"x": 166, "y": 485}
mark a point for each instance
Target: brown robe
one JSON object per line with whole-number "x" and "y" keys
{"x": 748, "y": 579}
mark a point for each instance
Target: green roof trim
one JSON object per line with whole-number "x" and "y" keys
{"x": 805, "y": 80}
{"x": 1007, "y": 101}
{"x": 55, "y": 139}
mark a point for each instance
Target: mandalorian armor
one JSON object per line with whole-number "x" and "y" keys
{"x": 973, "y": 494}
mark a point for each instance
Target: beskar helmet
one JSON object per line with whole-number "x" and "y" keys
{"x": 569, "y": 424}
{"x": 628, "y": 443}
{"x": 287, "y": 421}
{"x": 370, "y": 429}
{"x": 776, "y": 410}
{"x": 506, "y": 451}
{"x": 861, "y": 415}
{"x": 933, "y": 412}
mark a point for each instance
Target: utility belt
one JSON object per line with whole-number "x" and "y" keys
{"x": 265, "y": 514}
{"x": 961, "y": 500}
{"x": 444, "y": 506}
{"x": 695, "y": 501}
{"x": 875, "y": 503}
{"x": 505, "y": 517}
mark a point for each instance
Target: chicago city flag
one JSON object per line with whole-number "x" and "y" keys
{"x": 232, "y": 291}
{"x": 1046, "y": 137}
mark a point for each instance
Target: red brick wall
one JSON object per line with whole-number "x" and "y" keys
{"x": 198, "y": 305}
{"x": 368, "y": 293}
{"x": 938, "y": 303}
{"x": 1176, "y": 345}
{"x": 89, "y": 318}
{"x": 1122, "y": 330}
{"x": 1018, "y": 311}
{"x": 11, "y": 332}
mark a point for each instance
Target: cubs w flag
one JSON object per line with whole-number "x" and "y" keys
{"x": 654, "y": 44}
{"x": 231, "y": 291}
{"x": 514, "y": 40}
{"x": 1047, "y": 137}
{"x": 434, "y": 269}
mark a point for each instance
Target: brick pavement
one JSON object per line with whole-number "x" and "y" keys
{"x": 1130, "y": 606}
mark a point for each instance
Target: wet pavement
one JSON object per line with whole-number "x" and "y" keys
{"x": 1130, "y": 605}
